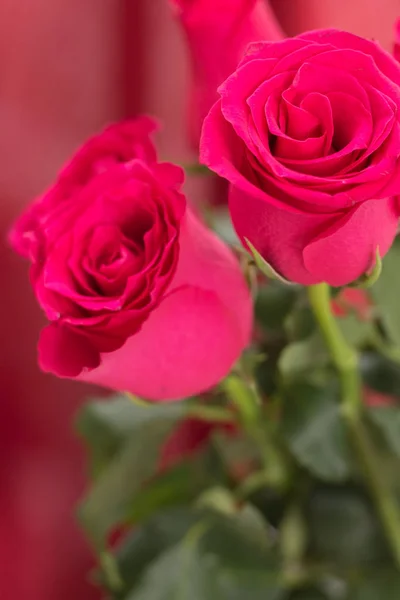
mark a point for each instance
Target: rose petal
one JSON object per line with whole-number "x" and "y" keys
{"x": 279, "y": 235}
{"x": 65, "y": 353}
{"x": 313, "y": 114}
{"x": 346, "y": 249}
{"x": 206, "y": 262}
{"x": 234, "y": 97}
{"x": 342, "y": 39}
{"x": 186, "y": 346}
{"x": 277, "y": 50}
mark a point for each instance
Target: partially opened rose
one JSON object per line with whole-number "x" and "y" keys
{"x": 307, "y": 132}
{"x": 140, "y": 295}
{"x": 218, "y": 33}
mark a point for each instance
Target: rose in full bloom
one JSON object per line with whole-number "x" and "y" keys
{"x": 140, "y": 295}
{"x": 307, "y": 133}
{"x": 218, "y": 33}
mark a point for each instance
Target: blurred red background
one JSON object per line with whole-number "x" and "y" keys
{"x": 66, "y": 69}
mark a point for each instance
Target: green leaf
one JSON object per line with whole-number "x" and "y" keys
{"x": 218, "y": 558}
{"x": 235, "y": 450}
{"x": 309, "y": 594}
{"x": 178, "y": 486}
{"x": 304, "y": 356}
{"x": 369, "y": 279}
{"x": 386, "y": 293}
{"x": 108, "y": 501}
{"x": 380, "y": 373}
{"x": 264, "y": 266}
{"x": 178, "y": 574}
{"x": 314, "y": 431}
{"x": 273, "y": 304}
{"x": 300, "y": 323}
{"x": 145, "y": 543}
{"x": 266, "y": 373}
{"x": 357, "y": 332}
{"x": 106, "y": 424}
{"x": 271, "y": 503}
{"x": 384, "y": 585}
{"x": 387, "y": 419}
{"x": 343, "y": 527}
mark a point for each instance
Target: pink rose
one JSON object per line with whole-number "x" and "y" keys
{"x": 218, "y": 33}
{"x": 140, "y": 295}
{"x": 307, "y": 132}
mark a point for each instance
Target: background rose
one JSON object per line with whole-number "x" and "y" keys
{"x": 140, "y": 295}
{"x": 396, "y": 47}
{"x": 218, "y": 33}
{"x": 313, "y": 169}
{"x": 190, "y": 437}
{"x": 353, "y": 300}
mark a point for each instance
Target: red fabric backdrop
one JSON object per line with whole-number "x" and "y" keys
{"x": 67, "y": 68}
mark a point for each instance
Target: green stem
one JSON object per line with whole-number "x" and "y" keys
{"x": 197, "y": 169}
{"x": 344, "y": 358}
{"x": 211, "y": 414}
{"x": 385, "y": 501}
{"x": 244, "y": 396}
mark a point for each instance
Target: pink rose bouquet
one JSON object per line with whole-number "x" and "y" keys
{"x": 274, "y": 477}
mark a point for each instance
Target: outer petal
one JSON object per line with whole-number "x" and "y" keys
{"x": 309, "y": 249}
{"x": 65, "y": 353}
{"x": 207, "y": 263}
{"x": 346, "y": 250}
{"x": 343, "y": 39}
{"x": 187, "y": 345}
{"x": 118, "y": 143}
{"x": 278, "y": 234}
